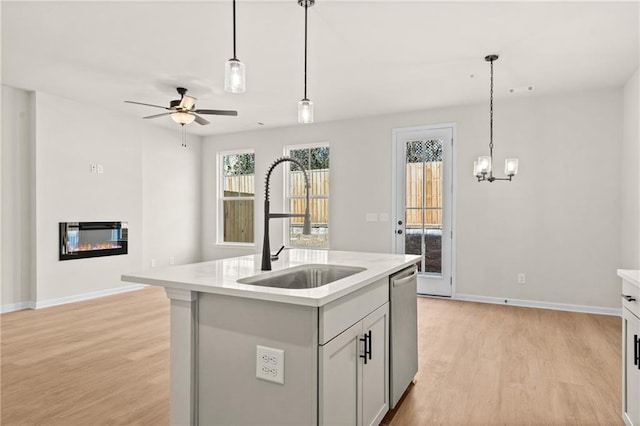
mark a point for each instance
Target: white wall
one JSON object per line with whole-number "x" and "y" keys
{"x": 171, "y": 188}
{"x": 149, "y": 180}
{"x": 630, "y": 182}
{"x": 558, "y": 221}
{"x": 18, "y": 161}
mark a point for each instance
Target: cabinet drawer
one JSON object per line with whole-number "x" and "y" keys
{"x": 337, "y": 316}
{"x": 629, "y": 289}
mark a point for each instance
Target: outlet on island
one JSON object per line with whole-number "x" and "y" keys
{"x": 270, "y": 364}
{"x": 522, "y": 278}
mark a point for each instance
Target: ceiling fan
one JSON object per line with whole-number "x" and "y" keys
{"x": 183, "y": 111}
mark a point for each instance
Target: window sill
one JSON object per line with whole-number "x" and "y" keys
{"x": 235, "y": 245}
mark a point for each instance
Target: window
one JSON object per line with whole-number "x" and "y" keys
{"x": 236, "y": 193}
{"x": 315, "y": 159}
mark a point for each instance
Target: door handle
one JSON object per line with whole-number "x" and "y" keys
{"x": 629, "y": 298}
{"x": 367, "y": 346}
{"x": 364, "y": 355}
{"x": 405, "y": 280}
{"x": 636, "y": 351}
{"x": 399, "y": 231}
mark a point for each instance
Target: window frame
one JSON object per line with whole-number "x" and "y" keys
{"x": 286, "y": 199}
{"x": 220, "y": 199}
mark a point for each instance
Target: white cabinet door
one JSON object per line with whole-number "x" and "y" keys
{"x": 339, "y": 384}
{"x": 375, "y": 372}
{"x": 352, "y": 392}
{"x": 631, "y": 367}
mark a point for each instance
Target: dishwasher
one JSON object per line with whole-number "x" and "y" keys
{"x": 404, "y": 331}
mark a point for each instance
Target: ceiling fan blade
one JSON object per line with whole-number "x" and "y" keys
{"x": 158, "y": 115}
{"x": 187, "y": 102}
{"x": 216, "y": 112}
{"x": 201, "y": 120}
{"x": 140, "y": 103}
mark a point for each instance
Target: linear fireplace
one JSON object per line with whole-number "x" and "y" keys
{"x": 80, "y": 240}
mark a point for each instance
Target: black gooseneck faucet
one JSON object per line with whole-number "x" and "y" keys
{"x": 306, "y": 228}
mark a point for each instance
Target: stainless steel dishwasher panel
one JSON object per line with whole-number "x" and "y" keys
{"x": 404, "y": 332}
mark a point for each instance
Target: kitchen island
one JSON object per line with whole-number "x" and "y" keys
{"x": 253, "y": 354}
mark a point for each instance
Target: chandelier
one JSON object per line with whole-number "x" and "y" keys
{"x": 482, "y": 167}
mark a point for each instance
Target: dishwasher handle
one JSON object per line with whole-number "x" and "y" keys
{"x": 405, "y": 280}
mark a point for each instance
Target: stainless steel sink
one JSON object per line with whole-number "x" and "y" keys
{"x": 303, "y": 276}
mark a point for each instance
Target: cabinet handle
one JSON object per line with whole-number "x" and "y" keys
{"x": 364, "y": 355}
{"x": 636, "y": 351}
{"x": 369, "y": 352}
{"x": 629, "y": 298}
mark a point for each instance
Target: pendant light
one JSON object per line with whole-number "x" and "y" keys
{"x": 234, "y": 70}
{"x": 482, "y": 167}
{"x": 305, "y": 106}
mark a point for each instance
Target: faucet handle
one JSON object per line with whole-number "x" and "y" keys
{"x": 275, "y": 256}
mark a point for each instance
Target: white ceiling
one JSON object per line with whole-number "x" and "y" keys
{"x": 365, "y": 58}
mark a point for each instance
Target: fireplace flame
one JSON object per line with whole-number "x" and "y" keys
{"x": 97, "y": 246}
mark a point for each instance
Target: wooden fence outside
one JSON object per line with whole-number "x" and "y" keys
{"x": 423, "y": 180}
{"x": 238, "y": 221}
{"x": 319, "y": 186}
{"x": 239, "y": 214}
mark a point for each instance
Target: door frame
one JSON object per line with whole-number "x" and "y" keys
{"x": 394, "y": 189}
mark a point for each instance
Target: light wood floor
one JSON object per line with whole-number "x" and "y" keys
{"x": 106, "y": 362}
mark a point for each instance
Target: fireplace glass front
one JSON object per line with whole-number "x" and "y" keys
{"x": 80, "y": 240}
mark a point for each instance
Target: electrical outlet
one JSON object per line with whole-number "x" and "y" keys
{"x": 154, "y": 263}
{"x": 100, "y": 169}
{"x": 522, "y": 278}
{"x": 371, "y": 217}
{"x": 172, "y": 260}
{"x": 94, "y": 168}
{"x": 270, "y": 364}
{"x": 384, "y": 217}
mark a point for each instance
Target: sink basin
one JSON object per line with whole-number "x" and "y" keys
{"x": 304, "y": 276}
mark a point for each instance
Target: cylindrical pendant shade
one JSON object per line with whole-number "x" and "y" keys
{"x": 234, "y": 76}
{"x": 511, "y": 166}
{"x": 305, "y": 111}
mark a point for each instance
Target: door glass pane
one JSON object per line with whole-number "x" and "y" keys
{"x": 423, "y": 202}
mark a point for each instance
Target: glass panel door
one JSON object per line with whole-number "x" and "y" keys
{"x": 423, "y": 213}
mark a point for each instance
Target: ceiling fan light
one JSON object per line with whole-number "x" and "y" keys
{"x": 305, "y": 111}
{"x": 183, "y": 117}
{"x": 234, "y": 76}
{"x": 511, "y": 166}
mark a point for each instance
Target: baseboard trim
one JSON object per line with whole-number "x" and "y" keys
{"x": 12, "y": 307}
{"x": 541, "y": 305}
{"x": 87, "y": 296}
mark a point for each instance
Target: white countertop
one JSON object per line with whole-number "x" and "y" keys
{"x": 220, "y": 276}
{"x": 630, "y": 275}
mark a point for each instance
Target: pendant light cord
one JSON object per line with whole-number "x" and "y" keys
{"x": 306, "y": 6}
{"x": 234, "y": 29}
{"x": 491, "y": 116}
